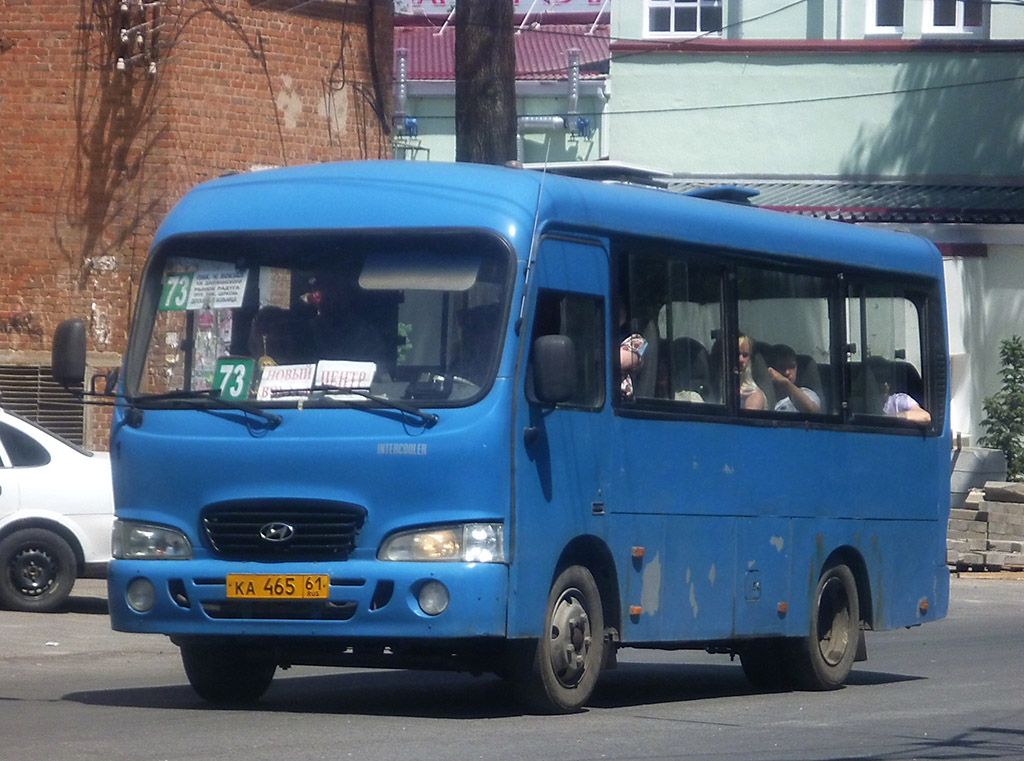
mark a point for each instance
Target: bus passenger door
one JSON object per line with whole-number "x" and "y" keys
{"x": 561, "y": 450}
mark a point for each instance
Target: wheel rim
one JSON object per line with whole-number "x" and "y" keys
{"x": 833, "y": 622}
{"x": 33, "y": 572}
{"x": 571, "y": 638}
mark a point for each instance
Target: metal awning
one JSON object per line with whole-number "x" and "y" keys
{"x": 889, "y": 201}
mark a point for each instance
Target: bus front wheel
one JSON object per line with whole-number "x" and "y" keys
{"x": 823, "y": 661}
{"x": 558, "y": 672}
{"x": 222, "y": 673}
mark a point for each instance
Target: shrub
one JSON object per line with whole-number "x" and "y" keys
{"x": 1004, "y": 412}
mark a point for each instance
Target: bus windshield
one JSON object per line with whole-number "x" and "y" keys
{"x": 305, "y": 317}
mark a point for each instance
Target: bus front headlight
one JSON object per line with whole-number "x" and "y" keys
{"x": 144, "y": 541}
{"x": 462, "y": 542}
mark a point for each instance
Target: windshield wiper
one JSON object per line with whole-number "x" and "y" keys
{"x": 213, "y": 395}
{"x": 429, "y": 419}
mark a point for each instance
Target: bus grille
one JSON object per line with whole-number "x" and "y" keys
{"x": 283, "y": 529}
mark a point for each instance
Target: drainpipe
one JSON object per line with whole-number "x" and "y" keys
{"x": 401, "y": 83}
{"x": 553, "y": 123}
{"x": 574, "y": 80}
{"x": 536, "y": 124}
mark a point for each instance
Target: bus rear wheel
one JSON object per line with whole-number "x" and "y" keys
{"x": 823, "y": 660}
{"x": 558, "y": 672}
{"x": 224, "y": 673}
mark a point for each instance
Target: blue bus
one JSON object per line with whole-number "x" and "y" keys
{"x": 421, "y": 415}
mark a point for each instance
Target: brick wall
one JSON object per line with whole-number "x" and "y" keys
{"x": 93, "y": 157}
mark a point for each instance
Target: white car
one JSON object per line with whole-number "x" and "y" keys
{"x": 56, "y": 515}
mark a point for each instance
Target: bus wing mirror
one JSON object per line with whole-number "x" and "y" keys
{"x": 554, "y": 369}
{"x": 68, "y": 357}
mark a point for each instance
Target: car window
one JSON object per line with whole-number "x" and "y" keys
{"x": 22, "y": 450}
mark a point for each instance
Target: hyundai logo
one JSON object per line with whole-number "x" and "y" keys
{"x": 276, "y": 531}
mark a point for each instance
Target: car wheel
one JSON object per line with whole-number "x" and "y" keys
{"x": 37, "y": 570}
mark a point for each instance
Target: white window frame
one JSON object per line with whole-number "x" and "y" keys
{"x": 872, "y": 26}
{"x": 671, "y": 6}
{"x": 928, "y": 23}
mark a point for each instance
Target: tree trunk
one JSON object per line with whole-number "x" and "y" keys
{"x": 485, "y": 96}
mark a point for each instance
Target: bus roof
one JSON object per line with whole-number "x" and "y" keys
{"x": 402, "y": 194}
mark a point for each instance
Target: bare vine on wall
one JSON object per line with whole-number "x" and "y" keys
{"x": 369, "y": 95}
{"x": 104, "y": 210}
{"x": 116, "y": 101}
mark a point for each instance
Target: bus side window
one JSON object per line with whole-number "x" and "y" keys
{"x": 581, "y": 318}
{"x": 675, "y": 303}
{"x": 886, "y": 358}
{"x": 790, "y": 318}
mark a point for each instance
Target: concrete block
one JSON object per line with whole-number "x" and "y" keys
{"x": 1013, "y": 561}
{"x": 1004, "y": 491}
{"x": 1001, "y": 508}
{"x": 965, "y": 514}
{"x": 971, "y": 558}
{"x": 969, "y": 527}
{"x": 1005, "y": 545}
{"x": 1004, "y": 524}
{"x": 994, "y": 560}
{"x": 967, "y": 536}
{"x": 973, "y": 467}
{"x": 969, "y": 545}
{"x": 998, "y": 561}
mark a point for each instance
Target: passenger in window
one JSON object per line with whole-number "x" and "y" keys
{"x": 751, "y": 396}
{"x": 631, "y": 359}
{"x": 343, "y": 327}
{"x": 782, "y": 364}
{"x": 280, "y": 337}
{"x": 632, "y": 348}
{"x": 897, "y": 404}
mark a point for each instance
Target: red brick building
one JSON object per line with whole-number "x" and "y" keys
{"x": 111, "y": 110}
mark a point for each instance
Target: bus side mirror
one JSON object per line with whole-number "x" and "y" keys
{"x": 554, "y": 369}
{"x": 68, "y": 357}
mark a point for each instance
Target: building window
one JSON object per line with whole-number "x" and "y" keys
{"x": 958, "y": 16}
{"x": 885, "y": 17}
{"x": 683, "y": 17}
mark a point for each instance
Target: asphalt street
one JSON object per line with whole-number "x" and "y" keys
{"x": 72, "y": 689}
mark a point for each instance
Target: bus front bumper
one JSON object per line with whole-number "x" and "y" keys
{"x": 365, "y": 600}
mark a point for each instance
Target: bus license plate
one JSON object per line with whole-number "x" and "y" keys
{"x": 258, "y": 586}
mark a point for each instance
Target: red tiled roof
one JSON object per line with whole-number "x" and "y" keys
{"x": 540, "y": 51}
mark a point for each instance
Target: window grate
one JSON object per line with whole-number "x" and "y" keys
{"x": 30, "y": 391}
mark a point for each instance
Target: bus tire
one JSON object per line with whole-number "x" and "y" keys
{"x": 226, "y": 674}
{"x": 764, "y": 664}
{"x": 37, "y": 570}
{"x": 823, "y": 660}
{"x": 558, "y": 672}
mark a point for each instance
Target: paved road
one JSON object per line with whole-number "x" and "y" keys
{"x": 71, "y": 689}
